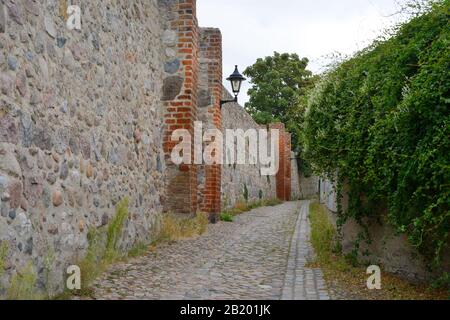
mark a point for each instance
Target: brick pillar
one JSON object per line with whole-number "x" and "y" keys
{"x": 288, "y": 171}
{"x": 283, "y": 177}
{"x": 209, "y": 96}
{"x": 180, "y": 38}
{"x": 281, "y": 159}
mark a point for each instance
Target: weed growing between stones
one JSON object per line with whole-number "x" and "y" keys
{"x": 239, "y": 207}
{"x": 49, "y": 259}
{"x": 226, "y": 217}
{"x": 242, "y": 206}
{"x": 138, "y": 250}
{"x": 103, "y": 248}
{"x": 272, "y": 202}
{"x": 115, "y": 230}
{"x": 93, "y": 263}
{"x": 323, "y": 238}
{"x": 3, "y": 253}
{"x": 176, "y": 227}
{"x": 23, "y": 285}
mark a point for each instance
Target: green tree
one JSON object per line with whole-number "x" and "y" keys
{"x": 280, "y": 84}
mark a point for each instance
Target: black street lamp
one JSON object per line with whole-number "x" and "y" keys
{"x": 236, "y": 80}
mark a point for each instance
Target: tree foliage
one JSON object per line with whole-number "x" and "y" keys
{"x": 280, "y": 83}
{"x": 381, "y": 122}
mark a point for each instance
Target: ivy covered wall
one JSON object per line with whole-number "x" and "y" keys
{"x": 381, "y": 121}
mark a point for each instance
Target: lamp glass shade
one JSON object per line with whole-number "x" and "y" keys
{"x": 236, "y": 81}
{"x": 236, "y": 85}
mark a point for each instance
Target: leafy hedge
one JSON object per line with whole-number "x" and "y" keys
{"x": 381, "y": 122}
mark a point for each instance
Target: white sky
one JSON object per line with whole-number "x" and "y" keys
{"x": 311, "y": 28}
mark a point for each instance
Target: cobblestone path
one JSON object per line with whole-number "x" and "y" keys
{"x": 303, "y": 283}
{"x": 261, "y": 255}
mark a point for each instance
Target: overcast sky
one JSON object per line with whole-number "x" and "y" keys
{"x": 311, "y": 28}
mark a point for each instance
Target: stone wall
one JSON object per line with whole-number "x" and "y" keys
{"x": 391, "y": 251}
{"x": 86, "y": 121}
{"x": 309, "y": 186}
{"x": 328, "y": 195}
{"x": 237, "y": 178}
{"x": 80, "y": 129}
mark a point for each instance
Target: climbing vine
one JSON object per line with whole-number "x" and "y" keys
{"x": 379, "y": 124}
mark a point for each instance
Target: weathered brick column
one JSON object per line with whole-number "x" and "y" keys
{"x": 288, "y": 171}
{"x": 209, "y": 96}
{"x": 180, "y": 39}
{"x": 283, "y": 176}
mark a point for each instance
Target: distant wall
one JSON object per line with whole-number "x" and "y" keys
{"x": 309, "y": 186}
{"x": 235, "y": 178}
{"x": 328, "y": 195}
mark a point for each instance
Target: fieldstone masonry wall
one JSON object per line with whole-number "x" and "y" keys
{"x": 240, "y": 181}
{"x": 236, "y": 179}
{"x": 80, "y": 129}
{"x": 86, "y": 119}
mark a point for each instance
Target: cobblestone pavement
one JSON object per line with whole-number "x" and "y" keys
{"x": 302, "y": 283}
{"x": 261, "y": 255}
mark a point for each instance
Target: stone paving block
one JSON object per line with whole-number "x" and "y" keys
{"x": 262, "y": 255}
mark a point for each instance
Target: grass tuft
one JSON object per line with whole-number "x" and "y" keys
{"x": 226, "y": 217}
{"x": 93, "y": 264}
{"x": 23, "y": 285}
{"x": 4, "y": 247}
{"x": 138, "y": 250}
{"x": 179, "y": 227}
{"x": 115, "y": 230}
{"x": 103, "y": 248}
{"x": 242, "y": 206}
{"x": 272, "y": 202}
